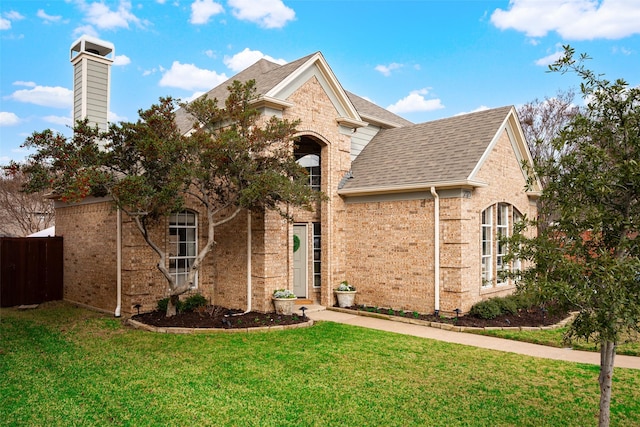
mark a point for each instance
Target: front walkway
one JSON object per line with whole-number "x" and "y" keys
{"x": 318, "y": 313}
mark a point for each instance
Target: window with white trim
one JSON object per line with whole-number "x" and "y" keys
{"x": 517, "y": 217}
{"x": 317, "y": 255}
{"x": 493, "y": 250}
{"x": 487, "y": 246}
{"x": 502, "y": 231}
{"x": 307, "y": 154}
{"x": 183, "y": 245}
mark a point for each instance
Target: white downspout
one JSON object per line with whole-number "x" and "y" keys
{"x": 436, "y": 238}
{"x": 118, "y": 263}
{"x": 248, "y": 261}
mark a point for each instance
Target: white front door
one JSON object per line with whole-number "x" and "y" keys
{"x": 300, "y": 261}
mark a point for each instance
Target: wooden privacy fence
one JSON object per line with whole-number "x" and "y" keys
{"x": 31, "y": 270}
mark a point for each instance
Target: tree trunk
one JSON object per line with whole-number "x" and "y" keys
{"x": 607, "y": 354}
{"x": 172, "y": 306}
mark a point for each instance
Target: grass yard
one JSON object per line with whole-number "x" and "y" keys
{"x": 555, "y": 338}
{"x": 62, "y": 365}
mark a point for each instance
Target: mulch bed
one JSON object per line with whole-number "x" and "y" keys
{"x": 531, "y": 318}
{"x": 218, "y": 317}
{"x": 223, "y": 318}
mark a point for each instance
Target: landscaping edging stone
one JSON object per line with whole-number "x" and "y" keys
{"x": 450, "y": 327}
{"x": 168, "y": 330}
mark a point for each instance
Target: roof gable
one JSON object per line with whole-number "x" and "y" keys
{"x": 442, "y": 153}
{"x": 275, "y": 82}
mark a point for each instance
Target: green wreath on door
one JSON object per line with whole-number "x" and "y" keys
{"x": 296, "y": 243}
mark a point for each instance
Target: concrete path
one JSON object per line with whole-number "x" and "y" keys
{"x": 491, "y": 343}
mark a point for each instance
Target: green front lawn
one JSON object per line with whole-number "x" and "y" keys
{"x": 555, "y": 338}
{"x": 62, "y": 365}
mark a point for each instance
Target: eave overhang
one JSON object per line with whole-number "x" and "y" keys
{"x": 410, "y": 188}
{"x": 271, "y": 102}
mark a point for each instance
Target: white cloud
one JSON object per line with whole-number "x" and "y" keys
{"x": 203, "y": 10}
{"x": 242, "y": 60}
{"x": 480, "y": 108}
{"x": 572, "y": 19}
{"x": 416, "y": 102}
{"x": 194, "y": 96}
{"x": 85, "y": 29}
{"x": 265, "y": 13}
{"x": 190, "y": 77}
{"x": 387, "y": 69}
{"x": 59, "y": 120}
{"x": 8, "y": 119}
{"x": 550, "y": 59}
{"x": 48, "y": 18}
{"x": 114, "y": 118}
{"x": 13, "y": 15}
{"x": 120, "y": 60}
{"x": 101, "y": 16}
{"x": 5, "y": 23}
{"x": 46, "y": 96}
{"x": 622, "y": 50}
{"x": 23, "y": 83}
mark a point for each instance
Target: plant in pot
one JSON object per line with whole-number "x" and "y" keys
{"x": 283, "y": 300}
{"x": 346, "y": 294}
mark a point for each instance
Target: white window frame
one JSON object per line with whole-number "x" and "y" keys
{"x": 317, "y": 254}
{"x": 311, "y": 162}
{"x": 183, "y": 248}
{"x": 502, "y": 229}
{"x": 486, "y": 247}
{"x": 516, "y": 218}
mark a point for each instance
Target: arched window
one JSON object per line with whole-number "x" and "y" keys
{"x": 307, "y": 154}
{"x": 183, "y": 244}
{"x": 497, "y": 223}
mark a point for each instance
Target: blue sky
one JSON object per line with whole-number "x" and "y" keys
{"x": 422, "y": 59}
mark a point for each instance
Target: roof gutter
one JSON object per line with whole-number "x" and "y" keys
{"x": 426, "y": 186}
{"x": 436, "y": 250}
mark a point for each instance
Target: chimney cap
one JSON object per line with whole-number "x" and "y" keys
{"x": 92, "y": 45}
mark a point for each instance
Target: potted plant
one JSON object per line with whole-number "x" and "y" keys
{"x": 346, "y": 294}
{"x": 283, "y": 300}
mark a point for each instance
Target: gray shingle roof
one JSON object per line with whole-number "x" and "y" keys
{"x": 370, "y": 109}
{"x": 440, "y": 151}
{"x": 267, "y": 75}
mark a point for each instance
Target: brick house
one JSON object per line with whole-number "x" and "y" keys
{"x": 412, "y": 216}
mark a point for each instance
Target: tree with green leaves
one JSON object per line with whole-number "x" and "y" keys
{"x": 589, "y": 257}
{"x": 233, "y": 159}
{"x": 542, "y": 120}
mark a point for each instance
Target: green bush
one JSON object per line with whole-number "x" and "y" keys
{"x": 189, "y": 304}
{"x": 488, "y": 309}
{"x": 164, "y": 302}
{"x": 194, "y": 301}
{"x": 508, "y": 305}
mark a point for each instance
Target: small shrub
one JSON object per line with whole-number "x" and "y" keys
{"x": 488, "y": 309}
{"x": 508, "y": 305}
{"x": 164, "y": 302}
{"x": 193, "y": 302}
